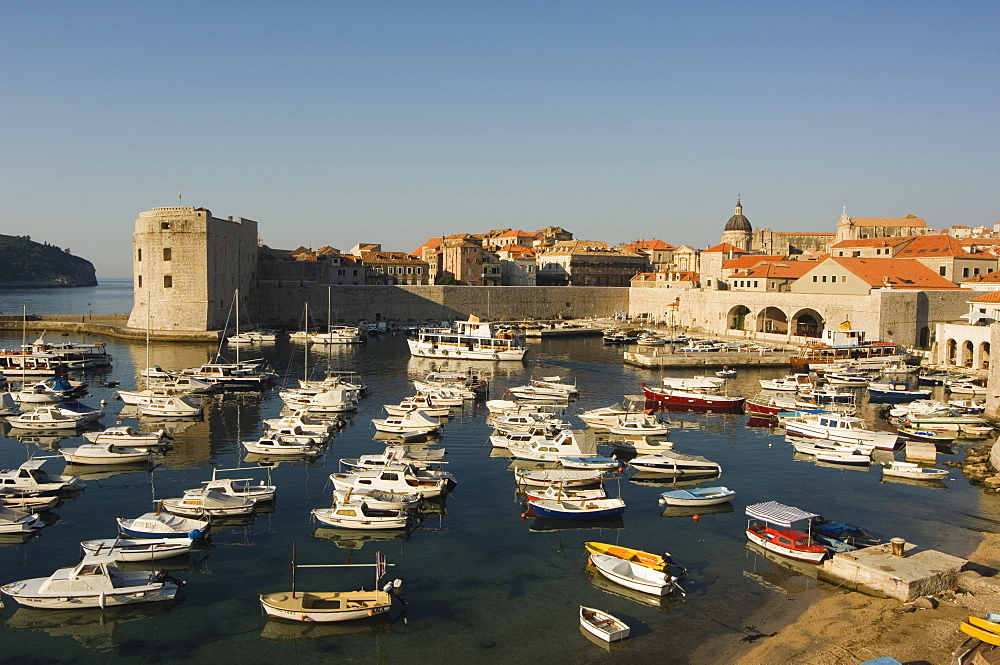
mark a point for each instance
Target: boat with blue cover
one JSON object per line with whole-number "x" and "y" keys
{"x": 594, "y": 509}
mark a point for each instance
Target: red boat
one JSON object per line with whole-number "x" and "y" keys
{"x": 787, "y": 542}
{"x": 761, "y": 407}
{"x": 694, "y": 399}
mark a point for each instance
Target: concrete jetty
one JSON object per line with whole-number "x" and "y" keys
{"x": 876, "y": 571}
{"x": 660, "y": 358}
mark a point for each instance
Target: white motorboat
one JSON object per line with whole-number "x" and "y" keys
{"x": 594, "y": 462}
{"x": 162, "y": 525}
{"x": 427, "y": 404}
{"x": 467, "y": 340}
{"x": 143, "y": 397}
{"x": 141, "y": 549}
{"x": 296, "y": 434}
{"x": 809, "y": 446}
{"x": 331, "y": 400}
{"x": 505, "y": 406}
{"x": 45, "y": 418}
{"x": 790, "y": 383}
{"x": 16, "y": 521}
{"x": 305, "y": 422}
{"x": 359, "y": 515}
{"x": 525, "y": 422}
{"x": 273, "y": 447}
{"x": 8, "y": 406}
{"x": 130, "y": 437}
{"x": 380, "y": 500}
{"x": 444, "y": 396}
{"x": 855, "y": 457}
{"x": 842, "y": 379}
{"x": 841, "y": 428}
{"x": 913, "y": 471}
{"x": 602, "y": 625}
{"x": 210, "y": 504}
{"x": 634, "y": 576}
{"x": 538, "y": 390}
{"x": 184, "y": 385}
{"x": 525, "y": 438}
{"x": 244, "y": 488}
{"x": 558, "y": 383}
{"x": 412, "y": 422}
{"x": 565, "y": 444}
{"x": 396, "y": 480}
{"x": 339, "y": 335}
{"x": 697, "y": 496}
{"x": 640, "y": 444}
{"x": 83, "y": 413}
{"x": 31, "y": 477}
{"x": 105, "y": 453}
{"x": 646, "y": 425}
{"x": 174, "y": 406}
{"x": 558, "y": 493}
{"x": 965, "y": 388}
{"x": 674, "y": 463}
{"x": 94, "y": 582}
{"x": 566, "y": 478}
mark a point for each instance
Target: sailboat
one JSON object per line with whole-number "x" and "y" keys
{"x": 337, "y": 334}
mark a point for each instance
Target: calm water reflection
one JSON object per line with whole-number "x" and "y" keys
{"x": 481, "y": 584}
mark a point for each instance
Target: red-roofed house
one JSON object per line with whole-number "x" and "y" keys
{"x": 870, "y": 248}
{"x": 667, "y": 279}
{"x": 658, "y": 253}
{"x": 773, "y": 276}
{"x": 710, "y": 264}
{"x": 948, "y": 257}
{"x": 517, "y": 265}
{"x": 394, "y": 268}
{"x": 857, "y": 276}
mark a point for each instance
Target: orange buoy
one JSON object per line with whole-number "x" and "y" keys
{"x": 696, "y": 517}
{"x": 524, "y": 515}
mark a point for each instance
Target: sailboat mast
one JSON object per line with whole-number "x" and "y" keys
{"x": 237, "y": 326}
{"x": 24, "y": 340}
{"x": 305, "y": 371}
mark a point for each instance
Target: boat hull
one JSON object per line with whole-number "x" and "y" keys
{"x": 423, "y": 349}
{"x": 770, "y": 546}
{"x": 310, "y": 607}
{"x": 694, "y": 401}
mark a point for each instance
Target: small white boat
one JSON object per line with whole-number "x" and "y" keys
{"x": 142, "y": 549}
{"x": 174, "y": 406}
{"x": 558, "y": 477}
{"x": 94, "y": 582}
{"x": 558, "y": 383}
{"x": 243, "y": 488}
{"x": 556, "y": 493}
{"x": 427, "y": 404}
{"x": 412, "y": 422}
{"x": 45, "y": 417}
{"x": 595, "y": 462}
{"x": 105, "y": 453}
{"x": 647, "y": 425}
{"x": 726, "y": 373}
{"x": 603, "y": 625}
{"x": 296, "y": 434}
{"x": 855, "y": 457}
{"x": 162, "y": 525}
{"x": 790, "y": 383}
{"x": 401, "y": 479}
{"x": 697, "y": 496}
{"x": 912, "y": 471}
{"x": 305, "y": 422}
{"x": 359, "y": 515}
{"x": 964, "y": 388}
{"x": 276, "y": 447}
{"x": 129, "y": 437}
{"x": 640, "y": 444}
{"x": 381, "y": 500}
{"x": 674, "y": 463}
{"x": 634, "y": 576}
{"x": 210, "y": 504}
{"x": 16, "y": 521}
{"x": 31, "y": 477}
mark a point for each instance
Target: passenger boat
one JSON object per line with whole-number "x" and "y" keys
{"x": 593, "y": 509}
{"x": 838, "y": 346}
{"x": 912, "y": 471}
{"x": 845, "y": 429}
{"x": 602, "y": 625}
{"x": 697, "y": 496}
{"x": 75, "y": 356}
{"x": 467, "y": 340}
{"x": 635, "y": 576}
{"x": 783, "y": 540}
{"x": 695, "y": 395}
{"x": 142, "y": 549}
{"x": 330, "y": 606}
{"x": 162, "y": 525}
{"x": 105, "y": 453}
{"x": 25, "y": 363}
{"x": 94, "y": 582}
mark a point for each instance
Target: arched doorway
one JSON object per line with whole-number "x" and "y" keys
{"x": 952, "y": 347}
{"x": 738, "y": 317}
{"x": 967, "y": 353}
{"x": 772, "y": 320}
{"x": 925, "y": 338}
{"x": 984, "y": 355}
{"x": 807, "y": 323}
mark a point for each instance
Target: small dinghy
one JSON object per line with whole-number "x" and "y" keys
{"x": 634, "y": 576}
{"x": 16, "y": 521}
{"x": 638, "y": 557}
{"x": 603, "y": 463}
{"x": 594, "y": 509}
{"x": 160, "y": 525}
{"x": 275, "y": 447}
{"x": 141, "y": 549}
{"x": 674, "y": 463}
{"x": 105, "y": 453}
{"x": 697, "y": 496}
{"x": 210, "y": 504}
{"x": 129, "y": 437}
{"x": 603, "y": 625}
{"x": 912, "y": 471}
{"x": 930, "y": 436}
{"x": 553, "y": 493}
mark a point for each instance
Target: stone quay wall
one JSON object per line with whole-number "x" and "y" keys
{"x": 281, "y": 304}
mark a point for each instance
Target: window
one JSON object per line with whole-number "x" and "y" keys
{"x": 943, "y": 270}
{"x": 168, "y": 281}
{"x": 340, "y": 273}
{"x": 833, "y": 278}
{"x": 815, "y": 278}
{"x": 166, "y": 253}
{"x": 858, "y": 253}
{"x": 140, "y": 281}
{"x": 824, "y": 278}
{"x": 165, "y": 226}
{"x": 420, "y": 271}
{"x": 975, "y": 271}
{"x": 965, "y": 272}
{"x": 138, "y": 254}
{"x": 355, "y": 273}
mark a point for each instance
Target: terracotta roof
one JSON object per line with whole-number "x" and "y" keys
{"x": 748, "y": 261}
{"x": 649, "y": 245}
{"x": 897, "y": 273}
{"x": 432, "y": 243}
{"x": 587, "y": 247}
{"x": 644, "y": 277}
{"x": 988, "y": 278}
{"x": 909, "y": 220}
{"x": 388, "y": 257}
{"x": 778, "y": 270}
{"x": 931, "y": 246}
{"x": 682, "y": 276}
{"x": 873, "y": 242}
{"x": 990, "y": 296}
{"x": 724, "y": 248}
{"x": 514, "y": 233}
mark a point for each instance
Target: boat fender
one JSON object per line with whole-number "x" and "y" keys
{"x": 195, "y": 534}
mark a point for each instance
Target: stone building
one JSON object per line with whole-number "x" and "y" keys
{"x": 587, "y": 263}
{"x": 177, "y": 255}
{"x": 659, "y": 254}
{"x": 855, "y": 228}
{"x": 738, "y": 231}
{"x": 393, "y": 268}
{"x": 789, "y": 243}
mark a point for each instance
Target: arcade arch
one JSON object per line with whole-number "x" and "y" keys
{"x": 772, "y": 320}
{"x": 738, "y": 317}
{"x": 807, "y": 323}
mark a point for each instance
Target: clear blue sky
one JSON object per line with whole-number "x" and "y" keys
{"x": 339, "y": 122}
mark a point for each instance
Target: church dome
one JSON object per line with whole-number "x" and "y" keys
{"x": 738, "y": 222}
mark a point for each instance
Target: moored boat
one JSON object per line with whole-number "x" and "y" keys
{"x": 697, "y": 496}
{"x": 783, "y": 540}
{"x": 602, "y": 625}
{"x": 912, "y": 471}
{"x": 635, "y": 576}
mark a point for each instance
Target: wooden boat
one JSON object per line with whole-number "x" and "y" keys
{"x": 559, "y": 494}
{"x": 330, "y": 606}
{"x": 94, "y": 582}
{"x": 785, "y": 540}
{"x": 558, "y": 477}
{"x": 912, "y": 471}
{"x": 695, "y": 399}
{"x": 593, "y": 509}
{"x": 697, "y": 496}
{"x": 142, "y": 549}
{"x": 602, "y": 625}
{"x": 160, "y": 525}
{"x": 634, "y": 576}
{"x": 927, "y": 435}
{"x": 638, "y": 557}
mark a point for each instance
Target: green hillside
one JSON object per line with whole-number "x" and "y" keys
{"x": 25, "y": 263}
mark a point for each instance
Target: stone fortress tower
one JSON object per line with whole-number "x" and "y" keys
{"x": 186, "y": 266}
{"x": 738, "y": 231}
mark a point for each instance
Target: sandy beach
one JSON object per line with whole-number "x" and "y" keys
{"x": 847, "y": 627}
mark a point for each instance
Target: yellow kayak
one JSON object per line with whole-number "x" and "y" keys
{"x": 985, "y": 624}
{"x": 647, "y": 559}
{"x": 987, "y": 636}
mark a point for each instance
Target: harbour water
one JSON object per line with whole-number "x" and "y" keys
{"x": 481, "y": 584}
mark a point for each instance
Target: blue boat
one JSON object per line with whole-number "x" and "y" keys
{"x": 697, "y": 496}
{"x": 894, "y": 392}
{"x": 578, "y": 510}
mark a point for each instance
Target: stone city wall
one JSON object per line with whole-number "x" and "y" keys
{"x": 281, "y": 304}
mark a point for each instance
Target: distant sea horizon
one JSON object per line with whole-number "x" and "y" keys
{"x": 110, "y": 296}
